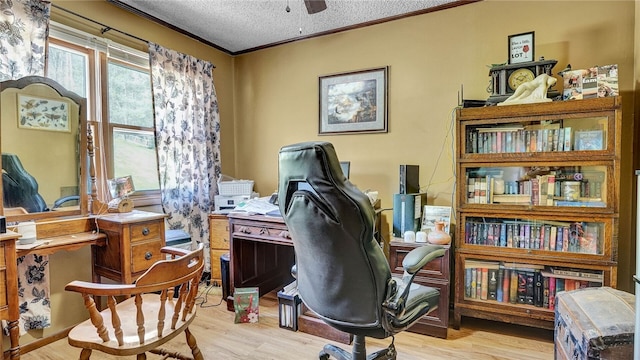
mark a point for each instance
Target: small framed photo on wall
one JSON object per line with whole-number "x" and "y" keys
{"x": 521, "y": 47}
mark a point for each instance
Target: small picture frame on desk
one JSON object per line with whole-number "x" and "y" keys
{"x": 431, "y": 214}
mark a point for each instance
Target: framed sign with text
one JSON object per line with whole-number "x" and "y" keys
{"x": 521, "y": 47}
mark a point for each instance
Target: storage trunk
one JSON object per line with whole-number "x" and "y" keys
{"x": 594, "y": 323}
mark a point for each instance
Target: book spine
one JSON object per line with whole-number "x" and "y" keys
{"x": 506, "y": 278}
{"x": 503, "y": 235}
{"x": 567, "y": 139}
{"x": 559, "y": 239}
{"x": 545, "y": 292}
{"x": 537, "y": 289}
{"x": 522, "y": 287}
{"x": 467, "y": 282}
{"x": 552, "y": 293}
{"x": 530, "y": 288}
{"x": 484, "y": 288}
{"x": 513, "y": 286}
{"x": 474, "y": 283}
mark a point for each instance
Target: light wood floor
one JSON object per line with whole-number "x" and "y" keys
{"x": 220, "y": 339}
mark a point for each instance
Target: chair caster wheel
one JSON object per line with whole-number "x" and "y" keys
{"x": 323, "y": 356}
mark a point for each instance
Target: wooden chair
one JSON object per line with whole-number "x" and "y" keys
{"x": 138, "y": 323}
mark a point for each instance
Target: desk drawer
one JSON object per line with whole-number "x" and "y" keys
{"x": 144, "y": 254}
{"x": 219, "y": 232}
{"x": 145, "y": 231}
{"x": 266, "y": 232}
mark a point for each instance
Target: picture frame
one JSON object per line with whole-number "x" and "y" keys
{"x": 353, "y": 102}
{"x": 589, "y": 140}
{"x": 431, "y": 214}
{"x": 521, "y": 47}
{"x": 121, "y": 187}
{"x": 40, "y": 113}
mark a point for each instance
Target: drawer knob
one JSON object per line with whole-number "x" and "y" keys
{"x": 145, "y": 231}
{"x": 148, "y": 255}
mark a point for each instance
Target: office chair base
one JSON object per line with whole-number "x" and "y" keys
{"x": 359, "y": 352}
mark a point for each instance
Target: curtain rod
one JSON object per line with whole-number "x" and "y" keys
{"x": 105, "y": 27}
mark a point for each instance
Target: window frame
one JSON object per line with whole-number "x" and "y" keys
{"x": 97, "y": 112}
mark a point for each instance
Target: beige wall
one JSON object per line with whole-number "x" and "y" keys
{"x": 430, "y": 57}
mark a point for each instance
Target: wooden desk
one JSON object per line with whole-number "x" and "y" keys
{"x": 261, "y": 253}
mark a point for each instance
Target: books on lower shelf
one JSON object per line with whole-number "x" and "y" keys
{"x": 579, "y": 237}
{"x": 524, "y": 284}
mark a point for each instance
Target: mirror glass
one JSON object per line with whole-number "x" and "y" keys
{"x": 44, "y": 151}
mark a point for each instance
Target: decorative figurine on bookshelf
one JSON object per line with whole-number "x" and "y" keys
{"x": 534, "y": 91}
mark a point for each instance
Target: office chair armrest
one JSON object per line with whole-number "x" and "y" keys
{"x": 420, "y": 256}
{"x": 412, "y": 263}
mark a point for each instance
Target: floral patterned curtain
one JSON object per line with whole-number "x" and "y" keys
{"x": 188, "y": 139}
{"x": 24, "y": 27}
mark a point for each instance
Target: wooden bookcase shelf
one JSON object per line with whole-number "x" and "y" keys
{"x": 537, "y": 206}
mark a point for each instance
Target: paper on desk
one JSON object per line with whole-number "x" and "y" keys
{"x": 257, "y": 206}
{"x": 32, "y": 245}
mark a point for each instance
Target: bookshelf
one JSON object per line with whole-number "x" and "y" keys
{"x": 537, "y": 206}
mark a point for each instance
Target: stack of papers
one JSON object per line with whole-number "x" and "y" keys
{"x": 260, "y": 206}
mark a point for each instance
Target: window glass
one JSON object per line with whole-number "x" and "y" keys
{"x": 69, "y": 68}
{"x": 131, "y": 123}
{"x": 129, "y": 96}
{"x": 134, "y": 153}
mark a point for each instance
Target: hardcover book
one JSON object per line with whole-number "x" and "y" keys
{"x": 513, "y": 286}
{"x": 537, "y": 289}
{"x": 522, "y": 287}
{"x": 530, "y": 288}
{"x": 484, "y": 288}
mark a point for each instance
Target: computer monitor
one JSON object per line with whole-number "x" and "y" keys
{"x": 346, "y": 167}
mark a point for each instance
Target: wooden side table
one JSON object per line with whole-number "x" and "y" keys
{"x": 435, "y": 274}
{"x": 134, "y": 242}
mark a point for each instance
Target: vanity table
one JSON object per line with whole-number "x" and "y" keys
{"x": 9, "y": 309}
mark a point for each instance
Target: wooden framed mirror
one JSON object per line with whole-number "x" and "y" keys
{"x": 45, "y": 157}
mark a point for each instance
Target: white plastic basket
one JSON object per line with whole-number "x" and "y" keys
{"x": 235, "y": 187}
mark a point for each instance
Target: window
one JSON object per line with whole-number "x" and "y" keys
{"x": 117, "y": 84}
{"x": 130, "y": 124}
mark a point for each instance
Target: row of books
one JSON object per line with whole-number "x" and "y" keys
{"x": 526, "y": 285}
{"x": 498, "y": 140}
{"x": 546, "y": 190}
{"x": 580, "y": 237}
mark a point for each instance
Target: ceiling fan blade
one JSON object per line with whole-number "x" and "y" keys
{"x": 315, "y": 6}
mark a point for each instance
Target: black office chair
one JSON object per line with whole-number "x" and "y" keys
{"x": 343, "y": 275}
{"x": 20, "y": 189}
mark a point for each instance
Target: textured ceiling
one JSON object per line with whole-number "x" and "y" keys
{"x": 239, "y": 26}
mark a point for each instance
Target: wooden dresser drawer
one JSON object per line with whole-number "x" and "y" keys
{"x": 436, "y": 269}
{"x": 144, "y": 254}
{"x": 145, "y": 231}
{"x": 219, "y": 232}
